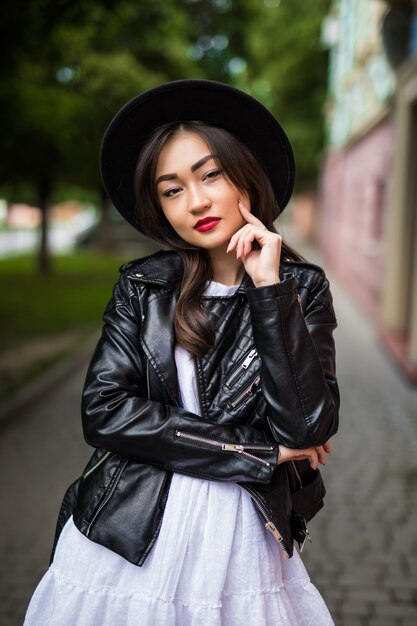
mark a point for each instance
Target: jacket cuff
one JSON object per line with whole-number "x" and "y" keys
{"x": 270, "y": 292}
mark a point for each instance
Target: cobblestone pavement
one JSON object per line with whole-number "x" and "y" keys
{"x": 364, "y": 552}
{"x": 364, "y": 555}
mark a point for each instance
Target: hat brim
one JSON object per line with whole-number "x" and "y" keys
{"x": 190, "y": 100}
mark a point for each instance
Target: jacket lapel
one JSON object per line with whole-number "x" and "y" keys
{"x": 158, "y": 340}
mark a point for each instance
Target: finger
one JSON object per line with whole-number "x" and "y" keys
{"x": 246, "y": 243}
{"x": 232, "y": 244}
{"x": 238, "y": 240}
{"x": 321, "y": 454}
{"x": 239, "y": 246}
{"x": 249, "y": 217}
{"x": 314, "y": 459}
{"x": 251, "y": 233}
{"x": 234, "y": 240}
{"x": 327, "y": 447}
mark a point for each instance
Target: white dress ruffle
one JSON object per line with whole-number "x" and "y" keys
{"x": 213, "y": 564}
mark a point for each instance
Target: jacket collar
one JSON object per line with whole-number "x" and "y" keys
{"x": 165, "y": 268}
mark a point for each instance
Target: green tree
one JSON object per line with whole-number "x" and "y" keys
{"x": 222, "y": 36}
{"x": 68, "y": 65}
{"x": 78, "y": 64}
{"x": 109, "y": 60}
{"x": 288, "y": 73}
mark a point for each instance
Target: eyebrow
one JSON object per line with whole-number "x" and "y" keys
{"x": 193, "y": 168}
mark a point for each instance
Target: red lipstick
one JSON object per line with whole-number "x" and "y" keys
{"x": 207, "y": 223}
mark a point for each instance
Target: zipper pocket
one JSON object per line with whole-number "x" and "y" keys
{"x": 243, "y": 365}
{"x": 230, "y": 447}
{"x": 108, "y": 495}
{"x": 99, "y": 463}
{"x": 269, "y": 524}
{"x": 249, "y": 390}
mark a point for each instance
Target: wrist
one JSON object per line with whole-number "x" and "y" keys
{"x": 266, "y": 282}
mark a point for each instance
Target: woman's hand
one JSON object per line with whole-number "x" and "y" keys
{"x": 315, "y": 455}
{"x": 262, "y": 265}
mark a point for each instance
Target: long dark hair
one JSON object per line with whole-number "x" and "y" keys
{"x": 192, "y": 326}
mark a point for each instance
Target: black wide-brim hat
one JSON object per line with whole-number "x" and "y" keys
{"x": 192, "y": 100}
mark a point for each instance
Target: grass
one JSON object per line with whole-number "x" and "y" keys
{"x": 72, "y": 297}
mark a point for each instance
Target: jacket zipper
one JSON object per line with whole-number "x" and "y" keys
{"x": 242, "y": 365}
{"x": 248, "y": 391}
{"x": 269, "y": 524}
{"x": 148, "y": 387}
{"x": 197, "y": 380}
{"x": 306, "y": 531}
{"x": 230, "y": 447}
{"x": 100, "y": 462}
{"x": 108, "y": 496}
{"x": 297, "y": 473}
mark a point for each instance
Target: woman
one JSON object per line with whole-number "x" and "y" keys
{"x": 211, "y": 396}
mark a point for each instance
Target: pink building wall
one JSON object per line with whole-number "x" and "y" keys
{"x": 353, "y": 200}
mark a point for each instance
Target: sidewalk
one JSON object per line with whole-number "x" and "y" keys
{"x": 31, "y": 370}
{"x": 364, "y": 552}
{"x": 364, "y": 555}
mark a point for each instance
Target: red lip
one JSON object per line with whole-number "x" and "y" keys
{"x": 207, "y": 223}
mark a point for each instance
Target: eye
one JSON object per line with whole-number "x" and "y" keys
{"x": 169, "y": 193}
{"x": 212, "y": 174}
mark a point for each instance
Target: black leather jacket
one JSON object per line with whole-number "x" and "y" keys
{"x": 269, "y": 378}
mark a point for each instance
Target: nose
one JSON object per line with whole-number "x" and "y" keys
{"x": 198, "y": 199}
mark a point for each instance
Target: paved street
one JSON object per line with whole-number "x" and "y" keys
{"x": 364, "y": 556}
{"x": 364, "y": 552}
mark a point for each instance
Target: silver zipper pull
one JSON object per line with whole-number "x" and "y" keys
{"x": 303, "y": 543}
{"x": 254, "y": 385}
{"x": 275, "y": 532}
{"x": 252, "y": 354}
{"x": 232, "y": 447}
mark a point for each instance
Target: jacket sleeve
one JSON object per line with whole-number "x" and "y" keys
{"x": 118, "y": 416}
{"x": 294, "y": 339}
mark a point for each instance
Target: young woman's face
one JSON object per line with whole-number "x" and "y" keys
{"x": 196, "y": 197}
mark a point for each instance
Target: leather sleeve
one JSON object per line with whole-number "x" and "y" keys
{"x": 117, "y": 415}
{"x": 293, "y": 334}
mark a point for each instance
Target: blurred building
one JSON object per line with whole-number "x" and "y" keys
{"x": 368, "y": 196}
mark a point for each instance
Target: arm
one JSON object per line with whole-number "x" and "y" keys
{"x": 298, "y": 360}
{"x": 295, "y": 346}
{"x": 118, "y": 416}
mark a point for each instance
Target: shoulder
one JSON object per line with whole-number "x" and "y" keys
{"x": 308, "y": 275}
{"x": 157, "y": 260}
{"x": 162, "y": 268}
{"x": 142, "y": 278}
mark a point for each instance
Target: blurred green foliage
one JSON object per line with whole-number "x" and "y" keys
{"x": 72, "y": 298}
{"x": 288, "y": 73}
{"x": 67, "y": 66}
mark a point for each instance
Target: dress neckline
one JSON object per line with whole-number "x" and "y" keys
{"x": 214, "y": 288}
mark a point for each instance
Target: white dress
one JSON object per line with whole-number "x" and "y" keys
{"x": 213, "y": 564}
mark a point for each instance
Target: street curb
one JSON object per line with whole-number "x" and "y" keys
{"x": 32, "y": 392}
